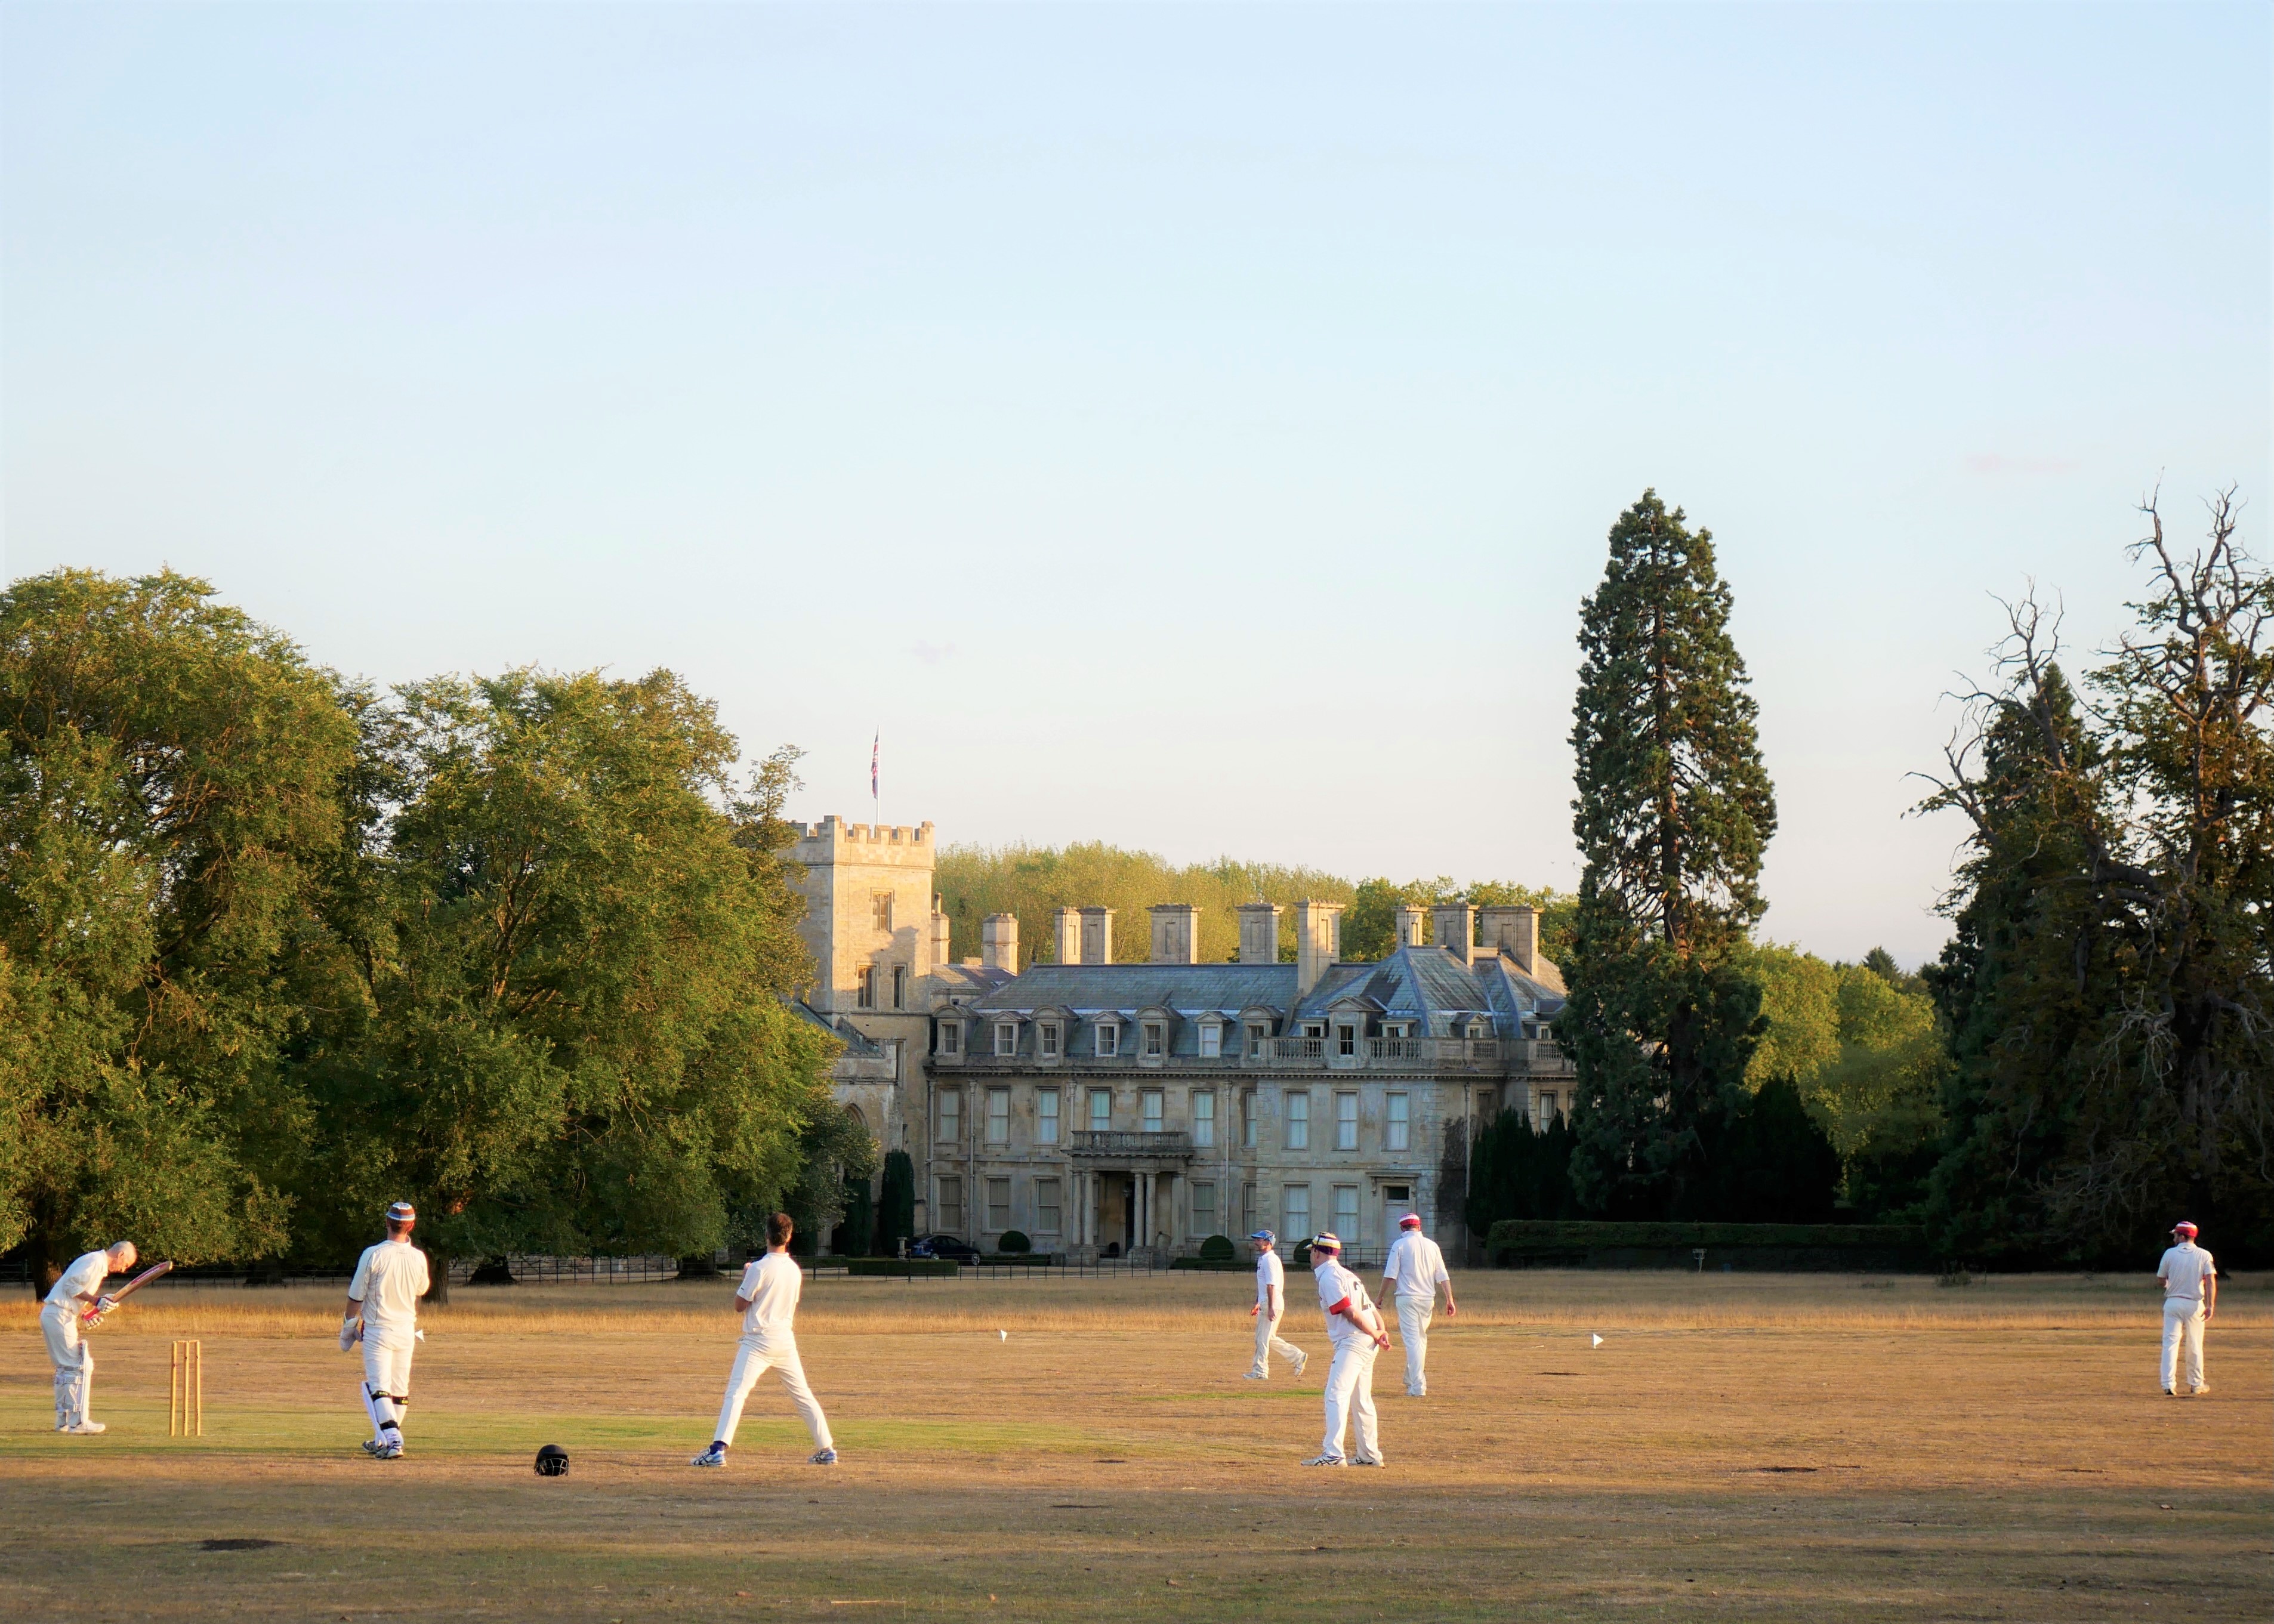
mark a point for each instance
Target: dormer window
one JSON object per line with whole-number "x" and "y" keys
{"x": 1258, "y": 1035}
{"x": 1007, "y": 1037}
{"x": 1157, "y": 1039}
{"x": 1211, "y": 1039}
{"x": 1109, "y": 1038}
{"x": 951, "y": 1037}
{"x": 1046, "y": 1040}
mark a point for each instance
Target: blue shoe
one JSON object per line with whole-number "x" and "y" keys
{"x": 715, "y": 1455}
{"x": 822, "y": 1457}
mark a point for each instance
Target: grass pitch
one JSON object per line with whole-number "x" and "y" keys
{"x": 1739, "y": 1446}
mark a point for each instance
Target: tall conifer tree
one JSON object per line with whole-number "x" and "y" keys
{"x": 1673, "y": 811}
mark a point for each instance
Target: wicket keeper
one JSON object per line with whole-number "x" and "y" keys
{"x": 78, "y": 1290}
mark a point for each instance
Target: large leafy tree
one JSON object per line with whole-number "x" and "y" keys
{"x": 572, "y": 1034}
{"x": 1673, "y": 809}
{"x": 170, "y": 801}
{"x": 2110, "y": 984}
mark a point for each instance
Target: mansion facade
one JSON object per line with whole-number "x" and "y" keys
{"x": 1111, "y": 1108}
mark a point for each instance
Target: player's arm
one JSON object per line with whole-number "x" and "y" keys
{"x": 2210, "y": 1293}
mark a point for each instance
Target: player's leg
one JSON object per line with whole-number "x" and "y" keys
{"x": 2192, "y": 1339}
{"x": 749, "y": 1364}
{"x": 2174, "y": 1329}
{"x": 377, "y": 1374}
{"x": 1260, "y": 1367}
{"x": 792, "y": 1370}
{"x": 1413, "y": 1315}
{"x": 1369, "y": 1428}
{"x": 1287, "y": 1351}
{"x": 398, "y": 1384}
{"x": 1339, "y": 1377}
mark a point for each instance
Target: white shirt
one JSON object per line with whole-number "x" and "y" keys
{"x": 1270, "y": 1272}
{"x": 770, "y": 1287}
{"x": 85, "y": 1274}
{"x": 389, "y": 1280}
{"x": 1416, "y": 1267}
{"x": 1336, "y": 1283}
{"x": 2183, "y": 1271}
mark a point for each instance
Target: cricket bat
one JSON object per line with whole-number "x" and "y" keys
{"x": 92, "y": 1315}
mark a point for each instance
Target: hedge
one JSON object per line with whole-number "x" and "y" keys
{"x": 902, "y": 1269}
{"x": 1521, "y": 1240}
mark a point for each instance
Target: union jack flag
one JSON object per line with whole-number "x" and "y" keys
{"x": 875, "y": 746}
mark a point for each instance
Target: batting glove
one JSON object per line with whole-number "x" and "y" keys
{"x": 350, "y": 1333}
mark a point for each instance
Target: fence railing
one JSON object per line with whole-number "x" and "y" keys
{"x": 1328, "y": 1053}
{"x": 1073, "y": 1268}
{"x": 1129, "y": 1142}
{"x": 529, "y": 1269}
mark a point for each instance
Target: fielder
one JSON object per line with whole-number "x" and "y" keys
{"x": 382, "y": 1312}
{"x": 79, "y": 1289}
{"x": 2190, "y": 1284}
{"x": 1415, "y": 1270}
{"x": 1356, "y": 1332}
{"x": 1271, "y": 1303}
{"x": 767, "y": 1301}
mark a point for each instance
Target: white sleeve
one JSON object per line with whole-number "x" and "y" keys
{"x": 360, "y": 1286}
{"x": 1443, "y": 1279}
{"x": 1389, "y": 1264}
{"x": 425, "y": 1275}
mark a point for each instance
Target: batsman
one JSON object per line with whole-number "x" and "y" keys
{"x": 73, "y": 1307}
{"x": 382, "y": 1312}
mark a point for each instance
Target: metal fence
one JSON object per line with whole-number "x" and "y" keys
{"x": 530, "y": 1269}
{"x": 1101, "y": 1268}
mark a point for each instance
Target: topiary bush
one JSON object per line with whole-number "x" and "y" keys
{"x": 1217, "y": 1249}
{"x": 1015, "y": 1240}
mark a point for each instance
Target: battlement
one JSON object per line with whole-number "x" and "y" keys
{"x": 835, "y": 833}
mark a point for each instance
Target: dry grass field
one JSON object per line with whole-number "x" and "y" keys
{"x": 1739, "y": 1448}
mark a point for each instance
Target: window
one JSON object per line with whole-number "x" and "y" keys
{"x": 1203, "y": 1209}
{"x": 1007, "y": 1037}
{"x": 1252, "y": 1215}
{"x": 1046, "y": 1117}
{"x": 880, "y": 904}
{"x": 864, "y": 996}
{"x": 951, "y": 1115}
{"x": 1211, "y": 1041}
{"x": 1149, "y": 1108}
{"x": 1298, "y": 1122}
{"x": 951, "y": 1205}
{"x": 1487, "y": 1105}
{"x": 1046, "y": 1206}
{"x": 951, "y": 1037}
{"x": 999, "y": 1116}
{"x": 1204, "y": 1122}
{"x": 1346, "y": 1213}
{"x": 1046, "y": 1040}
{"x": 1109, "y": 1038}
{"x": 1347, "y": 1040}
{"x": 1257, "y": 1036}
{"x": 1295, "y": 1202}
{"x": 1101, "y": 1110}
{"x": 998, "y": 1204}
{"x": 1397, "y": 1123}
{"x": 1248, "y": 1119}
{"x": 1547, "y": 1111}
{"x": 899, "y": 987}
{"x": 1345, "y": 1122}
{"x": 1157, "y": 1033}
{"x": 1315, "y": 1028}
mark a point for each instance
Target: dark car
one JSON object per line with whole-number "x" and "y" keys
{"x": 943, "y": 1246}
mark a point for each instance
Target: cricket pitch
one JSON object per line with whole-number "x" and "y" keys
{"x": 1745, "y": 1447}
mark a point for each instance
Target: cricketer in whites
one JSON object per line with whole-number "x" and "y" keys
{"x": 1271, "y": 1303}
{"x": 79, "y": 1289}
{"x": 1355, "y": 1329}
{"x": 767, "y": 1301}
{"x": 2190, "y": 1284}
{"x": 1415, "y": 1270}
{"x": 382, "y": 1312}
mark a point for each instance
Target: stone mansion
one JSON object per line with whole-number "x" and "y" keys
{"x": 1106, "y": 1109}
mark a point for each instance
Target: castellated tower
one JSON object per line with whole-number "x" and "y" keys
{"x": 868, "y": 919}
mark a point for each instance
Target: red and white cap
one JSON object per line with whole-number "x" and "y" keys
{"x": 2184, "y": 1228}
{"x": 1412, "y": 1220}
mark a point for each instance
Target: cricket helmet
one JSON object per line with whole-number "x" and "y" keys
{"x": 552, "y": 1461}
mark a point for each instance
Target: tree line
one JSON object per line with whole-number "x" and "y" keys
{"x": 277, "y": 948}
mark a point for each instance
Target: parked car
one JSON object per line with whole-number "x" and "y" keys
{"x": 943, "y": 1246}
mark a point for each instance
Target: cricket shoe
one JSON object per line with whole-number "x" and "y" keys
{"x": 388, "y": 1452}
{"x": 1327, "y": 1460}
{"x": 2171, "y": 1393}
{"x": 2198, "y": 1392}
{"x": 1376, "y": 1462}
{"x": 370, "y": 1446}
{"x": 86, "y": 1429}
{"x": 822, "y": 1457}
{"x": 715, "y": 1455}
{"x": 1301, "y": 1365}
{"x": 1257, "y": 1376}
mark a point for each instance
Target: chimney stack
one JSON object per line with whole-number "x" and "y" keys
{"x": 1409, "y": 927}
{"x": 1097, "y": 936}
{"x": 1176, "y": 933}
{"x": 999, "y": 942}
{"x": 1069, "y": 936}
{"x": 1457, "y": 929}
{"x": 1318, "y": 937}
{"x": 1513, "y": 931}
{"x": 1259, "y": 932}
{"x": 940, "y": 933}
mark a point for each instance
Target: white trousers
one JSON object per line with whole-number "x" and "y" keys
{"x": 1350, "y": 1393}
{"x": 386, "y": 1384}
{"x": 73, "y": 1359}
{"x": 1413, "y": 1316}
{"x": 2183, "y": 1327}
{"x": 1268, "y": 1342}
{"x": 752, "y": 1360}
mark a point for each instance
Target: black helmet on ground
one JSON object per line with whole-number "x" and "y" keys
{"x": 552, "y": 1461}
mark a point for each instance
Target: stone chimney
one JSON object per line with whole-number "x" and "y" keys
{"x": 1259, "y": 932}
{"x": 999, "y": 942}
{"x": 1318, "y": 936}
{"x": 940, "y": 931}
{"x": 1176, "y": 933}
{"x": 1069, "y": 936}
{"x": 1513, "y": 931}
{"x": 1409, "y": 927}
{"x": 1097, "y": 936}
{"x": 1457, "y": 929}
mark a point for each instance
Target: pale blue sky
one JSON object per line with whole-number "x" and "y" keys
{"x": 1194, "y": 427}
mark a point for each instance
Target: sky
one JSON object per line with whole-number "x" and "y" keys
{"x": 1192, "y": 427}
